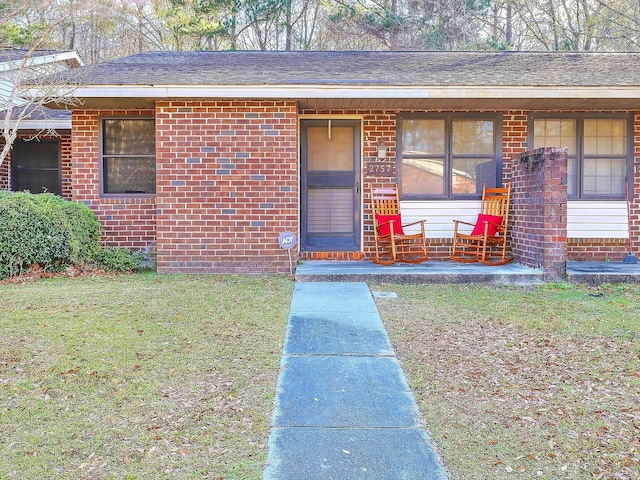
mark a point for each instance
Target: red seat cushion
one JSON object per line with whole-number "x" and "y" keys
{"x": 494, "y": 222}
{"x": 386, "y": 229}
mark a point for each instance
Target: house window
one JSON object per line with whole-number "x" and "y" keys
{"x": 128, "y": 156}
{"x": 447, "y": 156}
{"x": 598, "y": 152}
{"x": 35, "y": 166}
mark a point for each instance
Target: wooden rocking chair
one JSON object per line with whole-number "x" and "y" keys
{"x": 487, "y": 241}
{"x": 392, "y": 243}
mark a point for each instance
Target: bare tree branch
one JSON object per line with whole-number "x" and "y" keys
{"x": 14, "y": 106}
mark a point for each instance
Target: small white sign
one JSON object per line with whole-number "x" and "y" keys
{"x": 287, "y": 240}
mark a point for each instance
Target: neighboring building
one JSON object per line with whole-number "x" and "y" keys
{"x": 44, "y": 163}
{"x": 211, "y": 155}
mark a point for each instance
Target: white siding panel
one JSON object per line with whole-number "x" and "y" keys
{"x": 584, "y": 219}
{"x": 439, "y": 215}
{"x": 597, "y": 220}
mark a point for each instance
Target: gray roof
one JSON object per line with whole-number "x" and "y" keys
{"x": 370, "y": 68}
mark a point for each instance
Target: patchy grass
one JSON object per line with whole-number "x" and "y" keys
{"x": 139, "y": 376}
{"x": 524, "y": 382}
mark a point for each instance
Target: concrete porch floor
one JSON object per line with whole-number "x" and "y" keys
{"x": 435, "y": 271}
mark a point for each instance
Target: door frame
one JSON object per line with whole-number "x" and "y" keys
{"x": 359, "y": 235}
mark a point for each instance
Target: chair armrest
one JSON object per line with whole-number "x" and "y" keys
{"x": 465, "y": 223}
{"x": 413, "y": 223}
{"x": 392, "y": 227}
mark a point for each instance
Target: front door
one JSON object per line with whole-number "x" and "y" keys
{"x": 330, "y": 181}
{"x": 35, "y": 166}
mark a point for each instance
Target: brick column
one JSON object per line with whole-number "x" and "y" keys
{"x": 634, "y": 189}
{"x": 5, "y": 179}
{"x": 539, "y": 209}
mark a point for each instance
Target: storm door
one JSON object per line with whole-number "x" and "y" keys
{"x": 35, "y": 166}
{"x": 330, "y": 185}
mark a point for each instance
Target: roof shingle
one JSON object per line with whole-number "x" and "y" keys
{"x": 370, "y": 68}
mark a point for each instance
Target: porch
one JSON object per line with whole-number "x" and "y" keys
{"x": 445, "y": 271}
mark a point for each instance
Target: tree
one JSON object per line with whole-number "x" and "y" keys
{"x": 23, "y": 68}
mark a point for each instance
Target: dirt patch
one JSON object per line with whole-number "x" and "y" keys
{"x": 36, "y": 273}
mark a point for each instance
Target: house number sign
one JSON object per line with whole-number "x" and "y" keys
{"x": 380, "y": 169}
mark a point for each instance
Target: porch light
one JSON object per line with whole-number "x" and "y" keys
{"x": 382, "y": 150}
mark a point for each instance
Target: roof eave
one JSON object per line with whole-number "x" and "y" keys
{"x": 71, "y": 57}
{"x": 45, "y": 124}
{"x": 506, "y": 96}
{"x": 368, "y": 91}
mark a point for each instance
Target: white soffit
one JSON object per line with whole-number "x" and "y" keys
{"x": 340, "y": 91}
{"x": 42, "y": 124}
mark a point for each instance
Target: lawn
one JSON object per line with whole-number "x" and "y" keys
{"x": 139, "y": 376}
{"x": 520, "y": 383}
{"x": 147, "y": 376}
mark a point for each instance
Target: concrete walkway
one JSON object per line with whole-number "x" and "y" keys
{"x": 344, "y": 410}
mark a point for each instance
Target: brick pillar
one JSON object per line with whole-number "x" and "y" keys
{"x": 5, "y": 179}
{"x": 539, "y": 209}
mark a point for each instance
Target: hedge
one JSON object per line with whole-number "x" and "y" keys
{"x": 45, "y": 230}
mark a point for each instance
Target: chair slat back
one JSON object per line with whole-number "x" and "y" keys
{"x": 495, "y": 201}
{"x": 385, "y": 201}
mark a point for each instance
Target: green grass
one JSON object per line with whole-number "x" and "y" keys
{"x": 139, "y": 376}
{"x": 518, "y": 383}
{"x": 148, "y": 376}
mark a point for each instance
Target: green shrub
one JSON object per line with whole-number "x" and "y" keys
{"x": 84, "y": 230}
{"x": 44, "y": 230}
{"x": 120, "y": 260}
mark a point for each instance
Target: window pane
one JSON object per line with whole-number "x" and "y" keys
{"x": 129, "y": 175}
{"x": 423, "y": 176}
{"x": 129, "y": 137}
{"x": 555, "y": 132}
{"x": 423, "y": 136}
{"x": 330, "y": 153}
{"x": 604, "y": 176}
{"x": 472, "y": 137}
{"x": 38, "y": 181}
{"x": 605, "y": 136}
{"x": 572, "y": 176}
{"x": 619, "y": 145}
{"x": 469, "y": 174}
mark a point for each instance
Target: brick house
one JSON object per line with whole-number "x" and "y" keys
{"x": 209, "y": 156}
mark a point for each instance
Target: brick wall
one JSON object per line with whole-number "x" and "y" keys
{"x": 539, "y": 211}
{"x": 128, "y": 222}
{"x": 227, "y": 185}
{"x": 597, "y": 249}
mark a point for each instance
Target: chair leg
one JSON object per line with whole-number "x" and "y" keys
{"x": 454, "y": 243}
